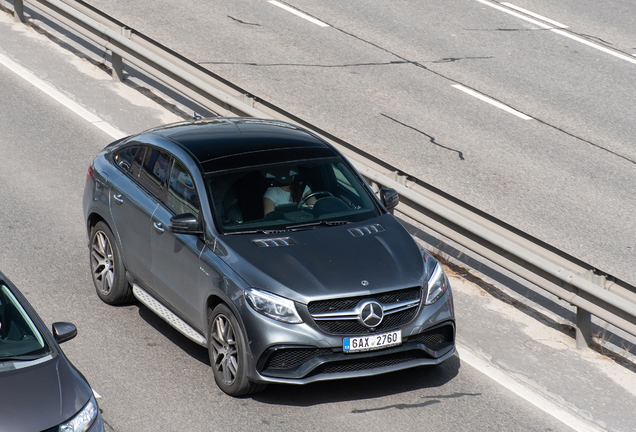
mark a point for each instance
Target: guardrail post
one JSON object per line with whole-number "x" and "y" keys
{"x": 18, "y": 11}
{"x": 583, "y": 317}
{"x": 583, "y": 328}
{"x": 118, "y": 67}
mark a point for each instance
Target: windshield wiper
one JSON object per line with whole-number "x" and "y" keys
{"x": 311, "y": 225}
{"x": 256, "y": 231}
{"x": 308, "y": 225}
{"x": 23, "y": 357}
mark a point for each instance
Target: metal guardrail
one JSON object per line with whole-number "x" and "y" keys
{"x": 580, "y": 284}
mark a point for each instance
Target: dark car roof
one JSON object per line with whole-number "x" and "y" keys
{"x": 229, "y": 143}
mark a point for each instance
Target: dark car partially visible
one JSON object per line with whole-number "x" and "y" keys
{"x": 40, "y": 390}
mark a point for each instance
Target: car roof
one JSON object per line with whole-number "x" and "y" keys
{"x": 230, "y": 143}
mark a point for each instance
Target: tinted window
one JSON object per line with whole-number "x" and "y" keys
{"x": 125, "y": 157}
{"x": 302, "y": 192}
{"x": 137, "y": 162}
{"x": 182, "y": 195}
{"x": 154, "y": 171}
{"x": 18, "y": 334}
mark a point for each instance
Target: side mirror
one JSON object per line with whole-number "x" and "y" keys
{"x": 64, "y": 331}
{"x": 390, "y": 198}
{"x": 185, "y": 223}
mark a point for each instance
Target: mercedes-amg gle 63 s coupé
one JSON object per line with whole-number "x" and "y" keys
{"x": 260, "y": 241}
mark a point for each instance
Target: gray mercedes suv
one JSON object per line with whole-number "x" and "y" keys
{"x": 260, "y": 241}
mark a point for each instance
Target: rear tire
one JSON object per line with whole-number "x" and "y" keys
{"x": 107, "y": 267}
{"x": 228, "y": 354}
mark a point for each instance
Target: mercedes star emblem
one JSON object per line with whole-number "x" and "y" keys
{"x": 371, "y": 314}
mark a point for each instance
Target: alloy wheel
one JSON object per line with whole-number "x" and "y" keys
{"x": 225, "y": 351}
{"x": 102, "y": 262}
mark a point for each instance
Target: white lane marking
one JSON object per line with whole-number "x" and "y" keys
{"x": 525, "y": 392}
{"x": 61, "y": 98}
{"x": 541, "y": 17}
{"x": 557, "y": 30}
{"x": 594, "y": 45}
{"x": 299, "y": 13}
{"x": 515, "y": 14}
{"x": 97, "y": 395}
{"x": 492, "y": 102}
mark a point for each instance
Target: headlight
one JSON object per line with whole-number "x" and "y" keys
{"x": 83, "y": 420}
{"x": 273, "y": 306}
{"x": 437, "y": 285}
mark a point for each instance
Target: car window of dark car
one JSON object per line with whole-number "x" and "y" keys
{"x": 182, "y": 195}
{"x": 18, "y": 334}
{"x": 124, "y": 158}
{"x": 154, "y": 171}
{"x": 349, "y": 189}
{"x": 137, "y": 162}
{"x": 237, "y": 196}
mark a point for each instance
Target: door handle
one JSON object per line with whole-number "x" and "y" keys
{"x": 159, "y": 227}
{"x": 118, "y": 198}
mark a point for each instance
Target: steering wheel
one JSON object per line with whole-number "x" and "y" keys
{"x": 306, "y": 198}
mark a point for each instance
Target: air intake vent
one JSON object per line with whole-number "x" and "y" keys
{"x": 366, "y": 230}
{"x": 284, "y": 241}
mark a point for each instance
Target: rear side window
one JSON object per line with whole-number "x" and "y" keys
{"x": 182, "y": 195}
{"x": 130, "y": 159}
{"x": 125, "y": 157}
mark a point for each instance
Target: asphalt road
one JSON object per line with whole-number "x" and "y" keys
{"x": 149, "y": 377}
{"x": 384, "y": 75}
{"x": 152, "y": 378}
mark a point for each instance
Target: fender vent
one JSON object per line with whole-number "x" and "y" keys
{"x": 366, "y": 230}
{"x": 284, "y": 241}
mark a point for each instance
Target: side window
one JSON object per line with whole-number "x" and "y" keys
{"x": 350, "y": 189}
{"x": 182, "y": 195}
{"x": 154, "y": 171}
{"x": 343, "y": 181}
{"x": 124, "y": 158}
{"x": 137, "y": 162}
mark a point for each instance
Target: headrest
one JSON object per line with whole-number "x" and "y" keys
{"x": 282, "y": 175}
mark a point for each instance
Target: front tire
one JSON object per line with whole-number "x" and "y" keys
{"x": 228, "y": 354}
{"x": 107, "y": 267}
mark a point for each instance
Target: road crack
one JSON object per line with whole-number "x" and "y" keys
{"x": 243, "y": 22}
{"x": 431, "y": 139}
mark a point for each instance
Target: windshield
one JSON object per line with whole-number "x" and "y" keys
{"x": 19, "y": 337}
{"x": 284, "y": 196}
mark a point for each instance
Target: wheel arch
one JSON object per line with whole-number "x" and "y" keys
{"x": 93, "y": 219}
{"x": 214, "y": 300}
{"x": 96, "y": 216}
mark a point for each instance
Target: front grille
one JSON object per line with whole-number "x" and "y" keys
{"x": 435, "y": 338}
{"x": 360, "y": 364}
{"x": 352, "y": 326}
{"x": 291, "y": 358}
{"x": 351, "y": 302}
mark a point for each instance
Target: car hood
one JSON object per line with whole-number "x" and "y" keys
{"x": 328, "y": 261}
{"x": 40, "y": 396}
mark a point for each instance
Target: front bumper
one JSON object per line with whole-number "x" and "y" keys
{"x": 302, "y": 353}
{"x": 302, "y": 365}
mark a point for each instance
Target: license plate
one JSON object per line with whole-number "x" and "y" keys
{"x": 372, "y": 342}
